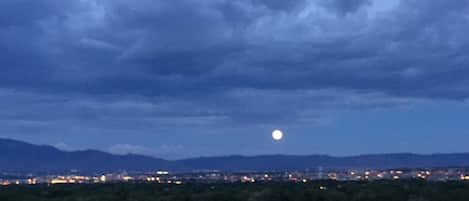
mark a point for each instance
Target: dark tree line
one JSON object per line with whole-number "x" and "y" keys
{"x": 313, "y": 191}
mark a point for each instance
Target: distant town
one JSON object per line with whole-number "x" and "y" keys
{"x": 166, "y": 177}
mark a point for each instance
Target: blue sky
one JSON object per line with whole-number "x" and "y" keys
{"x": 177, "y": 79}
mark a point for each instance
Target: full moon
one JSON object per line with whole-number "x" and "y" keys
{"x": 277, "y": 135}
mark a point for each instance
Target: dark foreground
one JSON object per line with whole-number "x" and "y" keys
{"x": 313, "y": 191}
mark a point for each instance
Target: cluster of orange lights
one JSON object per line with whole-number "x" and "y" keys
{"x": 153, "y": 179}
{"x": 245, "y": 179}
{"x": 424, "y": 175}
{"x": 465, "y": 177}
{"x": 74, "y": 180}
{"x": 5, "y": 183}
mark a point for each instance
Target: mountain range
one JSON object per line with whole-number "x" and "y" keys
{"x": 21, "y": 156}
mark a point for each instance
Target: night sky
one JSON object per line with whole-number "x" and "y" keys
{"x": 185, "y": 78}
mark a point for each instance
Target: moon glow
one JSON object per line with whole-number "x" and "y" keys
{"x": 277, "y": 135}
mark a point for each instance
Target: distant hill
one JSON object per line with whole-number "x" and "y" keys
{"x": 20, "y": 156}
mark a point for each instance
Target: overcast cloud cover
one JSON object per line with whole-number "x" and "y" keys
{"x": 185, "y": 78}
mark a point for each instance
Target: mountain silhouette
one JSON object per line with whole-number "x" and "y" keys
{"x": 21, "y": 156}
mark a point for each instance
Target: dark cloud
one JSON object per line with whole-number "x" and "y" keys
{"x": 27, "y": 13}
{"x": 280, "y": 5}
{"x": 342, "y": 7}
{"x": 247, "y": 61}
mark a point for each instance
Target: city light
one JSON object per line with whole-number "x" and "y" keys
{"x": 254, "y": 177}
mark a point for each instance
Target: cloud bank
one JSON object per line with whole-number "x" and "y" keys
{"x": 134, "y": 65}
